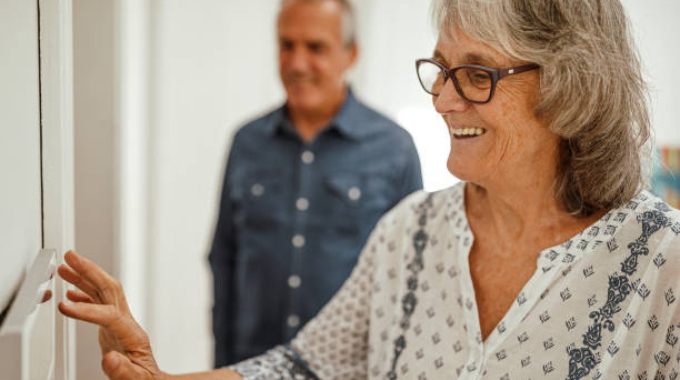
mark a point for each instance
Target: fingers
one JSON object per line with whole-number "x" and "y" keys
{"x": 100, "y": 300}
{"x": 74, "y": 278}
{"x": 46, "y": 296}
{"x": 93, "y": 280}
{"x": 118, "y": 367}
{"x": 78, "y": 296}
{"x": 121, "y": 325}
{"x": 105, "y": 286}
{"x": 102, "y": 315}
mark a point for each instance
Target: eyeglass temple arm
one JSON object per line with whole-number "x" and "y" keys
{"x": 516, "y": 70}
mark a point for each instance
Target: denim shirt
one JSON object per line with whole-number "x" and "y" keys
{"x": 294, "y": 216}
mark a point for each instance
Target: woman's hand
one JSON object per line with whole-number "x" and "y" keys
{"x": 125, "y": 346}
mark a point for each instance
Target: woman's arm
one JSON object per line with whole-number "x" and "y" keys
{"x": 129, "y": 373}
{"x": 218, "y": 374}
{"x": 333, "y": 345}
{"x": 125, "y": 346}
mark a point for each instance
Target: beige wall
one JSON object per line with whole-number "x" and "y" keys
{"x": 94, "y": 118}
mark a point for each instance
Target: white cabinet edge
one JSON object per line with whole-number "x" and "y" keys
{"x": 17, "y": 329}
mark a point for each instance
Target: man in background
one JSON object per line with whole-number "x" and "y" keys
{"x": 303, "y": 188}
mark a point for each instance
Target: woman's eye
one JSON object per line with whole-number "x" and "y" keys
{"x": 479, "y": 78}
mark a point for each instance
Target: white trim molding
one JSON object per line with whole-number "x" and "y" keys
{"x": 56, "y": 78}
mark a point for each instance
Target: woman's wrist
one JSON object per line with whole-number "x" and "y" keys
{"x": 218, "y": 374}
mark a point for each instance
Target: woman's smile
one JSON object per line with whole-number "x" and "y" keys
{"x": 466, "y": 132}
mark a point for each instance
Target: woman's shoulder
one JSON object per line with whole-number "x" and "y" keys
{"x": 422, "y": 219}
{"x": 648, "y": 207}
{"x": 655, "y": 217}
{"x": 414, "y": 204}
{"x": 429, "y": 211}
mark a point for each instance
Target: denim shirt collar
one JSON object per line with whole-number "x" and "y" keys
{"x": 345, "y": 120}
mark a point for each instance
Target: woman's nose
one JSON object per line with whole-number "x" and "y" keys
{"x": 449, "y": 100}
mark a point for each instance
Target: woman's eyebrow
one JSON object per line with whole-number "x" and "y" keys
{"x": 468, "y": 58}
{"x": 473, "y": 58}
{"x": 439, "y": 56}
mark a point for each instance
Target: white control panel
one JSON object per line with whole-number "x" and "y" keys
{"x": 27, "y": 332}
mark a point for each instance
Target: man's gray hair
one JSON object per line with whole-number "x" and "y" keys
{"x": 348, "y": 32}
{"x": 592, "y": 93}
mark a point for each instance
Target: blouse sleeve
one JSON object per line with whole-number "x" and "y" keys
{"x": 333, "y": 345}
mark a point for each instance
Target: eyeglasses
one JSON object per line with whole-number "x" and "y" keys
{"x": 474, "y": 83}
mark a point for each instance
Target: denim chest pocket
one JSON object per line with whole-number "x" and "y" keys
{"x": 256, "y": 197}
{"x": 360, "y": 194}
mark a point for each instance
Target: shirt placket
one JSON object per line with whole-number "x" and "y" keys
{"x": 305, "y": 166}
{"x": 551, "y": 263}
{"x": 480, "y": 352}
{"x": 474, "y": 365}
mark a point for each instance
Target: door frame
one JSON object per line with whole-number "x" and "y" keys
{"x": 56, "y": 92}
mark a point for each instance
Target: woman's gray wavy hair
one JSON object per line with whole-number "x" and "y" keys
{"x": 593, "y": 95}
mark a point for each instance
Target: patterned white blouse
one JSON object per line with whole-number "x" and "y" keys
{"x": 600, "y": 306}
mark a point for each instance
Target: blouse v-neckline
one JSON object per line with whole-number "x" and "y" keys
{"x": 547, "y": 268}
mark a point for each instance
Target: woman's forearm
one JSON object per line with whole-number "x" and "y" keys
{"x": 218, "y": 374}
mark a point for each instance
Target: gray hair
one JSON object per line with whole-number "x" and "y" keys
{"x": 593, "y": 95}
{"x": 348, "y": 32}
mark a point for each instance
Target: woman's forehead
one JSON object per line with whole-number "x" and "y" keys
{"x": 461, "y": 49}
{"x": 468, "y": 58}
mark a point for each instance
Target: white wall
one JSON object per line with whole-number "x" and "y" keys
{"x": 658, "y": 35}
{"x": 191, "y": 72}
{"x": 95, "y": 129}
{"x": 213, "y": 68}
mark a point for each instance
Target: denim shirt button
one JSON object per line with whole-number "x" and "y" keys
{"x": 354, "y": 193}
{"x": 294, "y": 281}
{"x": 298, "y": 241}
{"x": 302, "y": 204}
{"x": 307, "y": 157}
{"x": 257, "y": 190}
{"x": 293, "y": 320}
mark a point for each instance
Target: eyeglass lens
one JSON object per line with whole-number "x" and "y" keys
{"x": 475, "y": 84}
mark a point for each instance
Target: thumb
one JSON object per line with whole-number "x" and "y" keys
{"x": 119, "y": 367}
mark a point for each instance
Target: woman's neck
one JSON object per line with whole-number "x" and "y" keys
{"x": 521, "y": 215}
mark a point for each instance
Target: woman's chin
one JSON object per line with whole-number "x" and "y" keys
{"x": 464, "y": 170}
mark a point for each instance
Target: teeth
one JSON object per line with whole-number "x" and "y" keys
{"x": 467, "y": 131}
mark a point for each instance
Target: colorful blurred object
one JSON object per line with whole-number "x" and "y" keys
{"x": 666, "y": 177}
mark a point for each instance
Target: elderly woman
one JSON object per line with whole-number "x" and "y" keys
{"x": 549, "y": 261}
